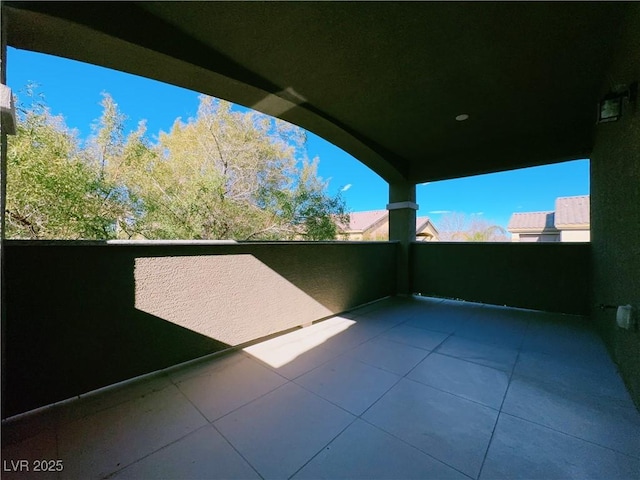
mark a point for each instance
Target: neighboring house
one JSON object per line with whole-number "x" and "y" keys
{"x": 374, "y": 225}
{"x": 425, "y": 230}
{"x": 573, "y": 219}
{"x": 568, "y": 223}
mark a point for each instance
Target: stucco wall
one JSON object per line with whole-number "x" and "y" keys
{"x": 543, "y": 276}
{"x": 80, "y": 317}
{"x": 575, "y": 235}
{"x": 615, "y": 212}
{"x": 378, "y": 232}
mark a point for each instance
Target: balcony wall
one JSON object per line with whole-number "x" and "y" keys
{"x": 615, "y": 211}
{"x": 546, "y": 276}
{"x": 80, "y": 316}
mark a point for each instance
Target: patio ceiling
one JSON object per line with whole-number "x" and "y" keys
{"x": 384, "y": 81}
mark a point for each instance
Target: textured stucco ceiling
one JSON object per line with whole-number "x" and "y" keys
{"x": 382, "y": 80}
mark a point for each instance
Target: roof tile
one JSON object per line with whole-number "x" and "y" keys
{"x": 360, "y": 221}
{"x": 531, "y": 221}
{"x": 572, "y": 211}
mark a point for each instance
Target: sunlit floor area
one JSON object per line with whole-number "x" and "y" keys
{"x": 402, "y": 388}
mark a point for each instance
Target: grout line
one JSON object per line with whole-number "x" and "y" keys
{"x": 504, "y": 397}
{"x": 244, "y": 404}
{"x": 380, "y": 397}
{"x": 453, "y": 394}
{"x": 413, "y": 447}
{"x": 431, "y": 352}
{"x": 306, "y": 389}
{"x": 360, "y": 417}
{"x": 115, "y": 472}
{"x": 404, "y": 377}
{"x": 427, "y": 353}
{"x": 547, "y": 427}
{"x": 236, "y": 450}
{"x": 451, "y": 355}
{"x": 212, "y": 422}
{"x": 323, "y": 447}
{"x": 184, "y": 395}
{"x": 404, "y": 343}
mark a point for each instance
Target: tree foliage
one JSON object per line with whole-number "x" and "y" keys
{"x": 457, "y": 227}
{"x": 221, "y": 175}
{"x": 52, "y": 189}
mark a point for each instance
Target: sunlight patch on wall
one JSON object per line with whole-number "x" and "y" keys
{"x": 231, "y": 298}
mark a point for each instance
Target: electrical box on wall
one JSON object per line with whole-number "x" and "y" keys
{"x": 625, "y": 317}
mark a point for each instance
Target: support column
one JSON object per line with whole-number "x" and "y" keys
{"x": 402, "y": 228}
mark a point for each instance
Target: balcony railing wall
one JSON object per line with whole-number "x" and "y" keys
{"x": 80, "y": 316}
{"x": 553, "y": 276}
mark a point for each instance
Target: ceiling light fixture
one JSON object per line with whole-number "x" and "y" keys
{"x": 462, "y": 117}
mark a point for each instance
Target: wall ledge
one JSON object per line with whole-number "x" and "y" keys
{"x": 146, "y": 243}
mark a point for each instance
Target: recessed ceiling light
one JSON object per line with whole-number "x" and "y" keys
{"x": 462, "y": 117}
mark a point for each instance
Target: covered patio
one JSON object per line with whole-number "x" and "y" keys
{"x": 401, "y": 388}
{"x": 345, "y": 359}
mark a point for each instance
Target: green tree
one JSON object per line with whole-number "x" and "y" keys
{"x": 53, "y": 191}
{"x": 222, "y": 175}
{"x": 305, "y": 209}
{"x": 225, "y": 175}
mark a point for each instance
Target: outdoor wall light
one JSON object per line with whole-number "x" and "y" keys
{"x": 610, "y": 107}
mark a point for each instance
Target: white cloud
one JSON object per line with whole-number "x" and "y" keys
{"x": 439, "y": 212}
{"x": 346, "y": 187}
{"x": 478, "y": 213}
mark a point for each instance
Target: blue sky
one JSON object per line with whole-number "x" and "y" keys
{"x": 73, "y": 89}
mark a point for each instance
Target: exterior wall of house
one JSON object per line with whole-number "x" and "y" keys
{"x": 350, "y": 237}
{"x": 81, "y": 316}
{"x": 538, "y": 237}
{"x": 378, "y": 232}
{"x": 615, "y": 212}
{"x": 432, "y": 235}
{"x": 547, "y": 276}
{"x": 575, "y": 235}
{"x": 562, "y": 236}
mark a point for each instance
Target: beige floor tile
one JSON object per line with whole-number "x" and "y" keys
{"x": 231, "y": 382}
{"x": 111, "y": 439}
{"x": 348, "y": 383}
{"x": 201, "y": 454}
{"x": 474, "y": 382}
{"x": 449, "y": 428}
{"x": 283, "y": 430}
{"x": 392, "y": 356}
{"x": 365, "y": 452}
{"x": 523, "y": 450}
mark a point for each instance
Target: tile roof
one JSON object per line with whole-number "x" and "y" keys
{"x": 569, "y": 212}
{"x": 532, "y": 221}
{"x": 360, "y": 221}
{"x": 572, "y": 211}
{"x": 421, "y": 222}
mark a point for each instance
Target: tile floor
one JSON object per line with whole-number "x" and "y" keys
{"x": 403, "y": 388}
